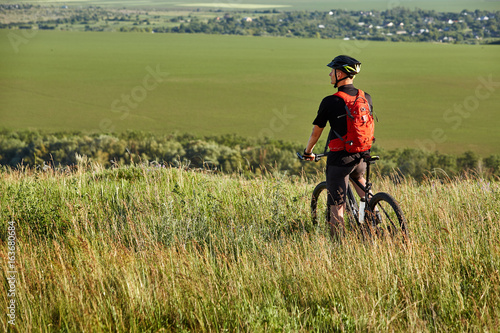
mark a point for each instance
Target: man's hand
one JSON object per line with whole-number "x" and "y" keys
{"x": 316, "y": 133}
{"x": 309, "y": 156}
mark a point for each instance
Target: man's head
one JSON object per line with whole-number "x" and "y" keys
{"x": 343, "y": 68}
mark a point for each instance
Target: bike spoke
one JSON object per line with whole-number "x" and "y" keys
{"x": 388, "y": 217}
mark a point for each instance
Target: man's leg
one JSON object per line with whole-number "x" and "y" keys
{"x": 358, "y": 189}
{"x": 358, "y": 173}
{"x": 337, "y": 226}
{"x": 336, "y": 179}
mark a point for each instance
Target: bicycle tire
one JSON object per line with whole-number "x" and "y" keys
{"x": 320, "y": 209}
{"x": 390, "y": 220}
{"x": 318, "y": 198}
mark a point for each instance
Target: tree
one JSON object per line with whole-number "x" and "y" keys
{"x": 492, "y": 164}
{"x": 468, "y": 161}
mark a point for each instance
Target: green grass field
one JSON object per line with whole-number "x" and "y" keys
{"x": 439, "y": 5}
{"x": 245, "y": 85}
{"x": 145, "y": 249}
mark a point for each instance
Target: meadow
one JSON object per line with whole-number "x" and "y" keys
{"x": 438, "y": 5}
{"x": 429, "y": 96}
{"x": 147, "y": 249}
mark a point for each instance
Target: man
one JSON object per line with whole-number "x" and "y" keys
{"x": 340, "y": 164}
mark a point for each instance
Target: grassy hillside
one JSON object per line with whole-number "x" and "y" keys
{"x": 425, "y": 95}
{"x": 439, "y": 5}
{"x": 146, "y": 249}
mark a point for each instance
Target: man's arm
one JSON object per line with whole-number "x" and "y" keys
{"x": 313, "y": 139}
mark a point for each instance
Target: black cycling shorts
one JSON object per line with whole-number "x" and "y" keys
{"x": 337, "y": 178}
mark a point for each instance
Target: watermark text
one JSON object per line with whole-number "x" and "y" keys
{"x": 11, "y": 272}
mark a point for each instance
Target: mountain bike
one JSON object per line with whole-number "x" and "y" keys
{"x": 377, "y": 214}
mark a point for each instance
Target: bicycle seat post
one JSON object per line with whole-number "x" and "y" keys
{"x": 367, "y": 173}
{"x": 368, "y": 185}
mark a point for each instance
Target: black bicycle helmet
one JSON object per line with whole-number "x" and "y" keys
{"x": 346, "y": 64}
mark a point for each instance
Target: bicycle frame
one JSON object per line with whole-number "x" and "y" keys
{"x": 352, "y": 203}
{"x": 368, "y": 185}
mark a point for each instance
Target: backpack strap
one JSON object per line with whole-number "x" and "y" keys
{"x": 338, "y": 135}
{"x": 327, "y": 143}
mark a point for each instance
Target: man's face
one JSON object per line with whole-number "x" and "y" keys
{"x": 334, "y": 73}
{"x": 332, "y": 76}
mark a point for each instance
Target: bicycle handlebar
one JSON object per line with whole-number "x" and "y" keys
{"x": 368, "y": 159}
{"x": 317, "y": 157}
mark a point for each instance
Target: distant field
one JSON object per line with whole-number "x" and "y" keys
{"x": 439, "y": 5}
{"x": 427, "y": 95}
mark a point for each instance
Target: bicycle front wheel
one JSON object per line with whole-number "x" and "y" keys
{"x": 319, "y": 207}
{"x": 386, "y": 216}
{"x": 320, "y": 211}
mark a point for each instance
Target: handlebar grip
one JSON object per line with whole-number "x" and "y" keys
{"x": 317, "y": 157}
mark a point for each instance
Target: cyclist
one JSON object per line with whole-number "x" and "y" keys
{"x": 340, "y": 164}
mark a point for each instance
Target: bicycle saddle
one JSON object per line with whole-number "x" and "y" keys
{"x": 371, "y": 159}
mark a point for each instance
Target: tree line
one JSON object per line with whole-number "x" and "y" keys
{"x": 397, "y": 24}
{"x": 219, "y": 153}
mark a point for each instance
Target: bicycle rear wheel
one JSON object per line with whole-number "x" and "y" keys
{"x": 386, "y": 216}
{"x": 320, "y": 211}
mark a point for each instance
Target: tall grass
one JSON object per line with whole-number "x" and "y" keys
{"x": 145, "y": 248}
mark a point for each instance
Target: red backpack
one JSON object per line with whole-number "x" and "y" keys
{"x": 360, "y": 125}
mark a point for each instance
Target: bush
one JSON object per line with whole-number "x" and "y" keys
{"x": 223, "y": 153}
